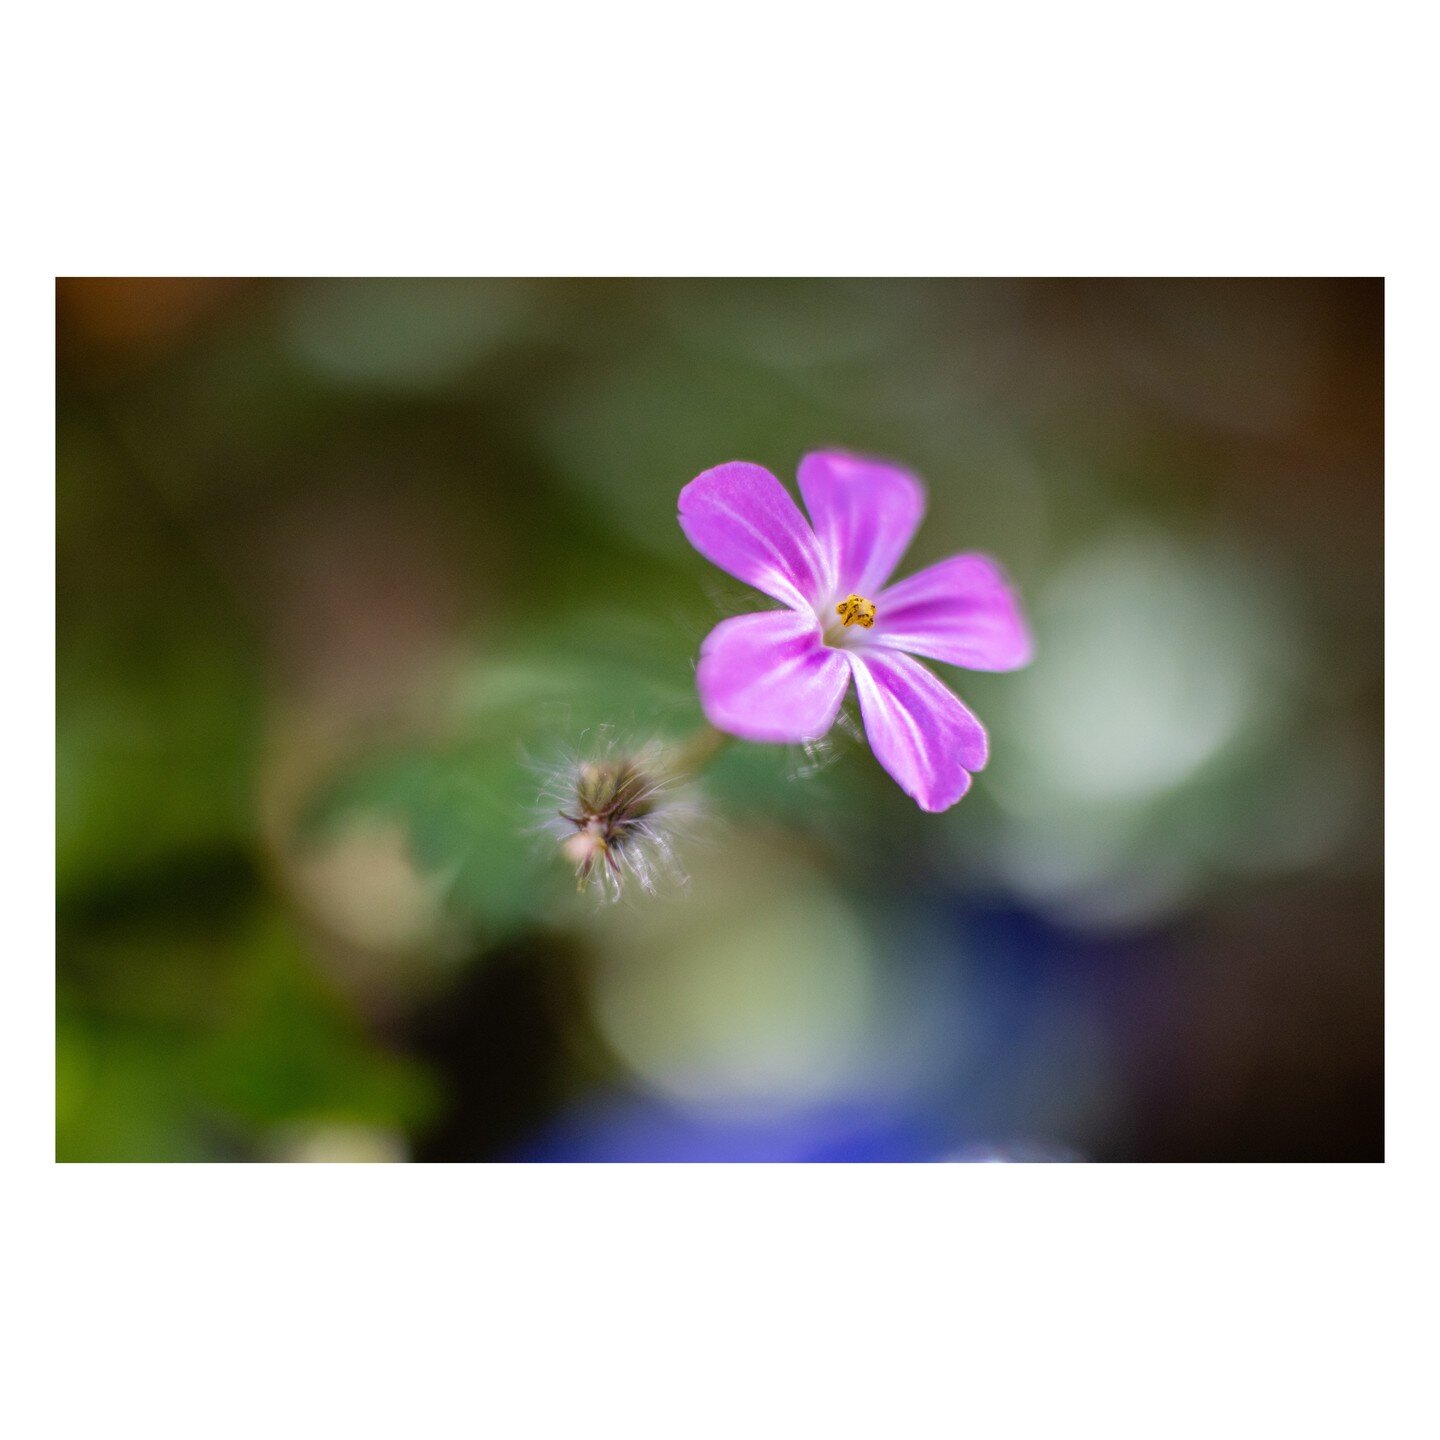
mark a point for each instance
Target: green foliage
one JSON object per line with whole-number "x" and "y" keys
{"x": 187, "y": 1046}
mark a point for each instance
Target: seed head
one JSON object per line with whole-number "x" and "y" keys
{"x": 615, "y": 819}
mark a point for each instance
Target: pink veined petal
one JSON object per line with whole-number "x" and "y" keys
{"x": 918, "y": 729}
{"x": 865, "y": 513}
{"x": 961, "y": 611}
{"x": 769, "y": 677}
{"x": 741, "y": 518}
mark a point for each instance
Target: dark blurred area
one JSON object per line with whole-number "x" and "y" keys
{"x": 344, "y": 566}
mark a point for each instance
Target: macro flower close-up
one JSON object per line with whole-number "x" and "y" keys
{"x": 987, "y": 766}
{"x": 781, "y": 675}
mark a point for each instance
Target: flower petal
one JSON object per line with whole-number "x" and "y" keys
{"x": 918, "y": 729}
{"x": 741, "y": 518}
{"x": 961, "y": 611}
{"x": 769, "y": 677}
{"x": 865, "y": 514}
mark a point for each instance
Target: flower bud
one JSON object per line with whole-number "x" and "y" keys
{"x": 615, "y": 819}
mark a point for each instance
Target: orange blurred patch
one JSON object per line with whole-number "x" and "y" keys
{"x": 120, "y": 321}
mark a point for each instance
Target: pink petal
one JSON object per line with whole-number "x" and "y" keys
{"x": 865, "y": 514}
{"x": 961, "y": 611}
{"x": 919, "y": 731}
{"x": 741, "y": 518}
{"x": 769, "y": 677}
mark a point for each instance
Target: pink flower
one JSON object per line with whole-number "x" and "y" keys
{"x": 780, "y": 675}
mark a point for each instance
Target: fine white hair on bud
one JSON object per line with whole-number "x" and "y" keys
{"x": 615, "y": 814}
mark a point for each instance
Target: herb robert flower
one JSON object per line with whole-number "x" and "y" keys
{"x": 780, "y": 675}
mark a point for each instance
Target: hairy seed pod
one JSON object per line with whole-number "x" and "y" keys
{"x": 615, "y": 818}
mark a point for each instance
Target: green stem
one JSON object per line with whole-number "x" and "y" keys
{"x": 691, "y": 756}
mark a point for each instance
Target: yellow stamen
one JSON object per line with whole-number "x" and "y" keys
{"x": 856, "y": 610}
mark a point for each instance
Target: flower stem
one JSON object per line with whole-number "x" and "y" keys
{"x": 692, "y": 755}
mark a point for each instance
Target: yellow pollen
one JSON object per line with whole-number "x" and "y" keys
{"x": 856, "y": 610}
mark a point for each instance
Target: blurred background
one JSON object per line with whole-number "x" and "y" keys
{"x": 347, "y": 567}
